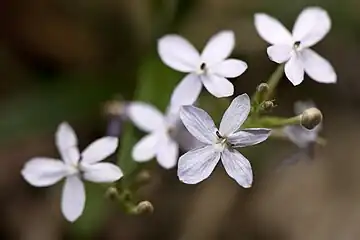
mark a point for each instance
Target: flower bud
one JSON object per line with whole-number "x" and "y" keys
{"x": 267, "y": 105}
{"x": 310, "y": 118}
{"x": 112, "y": 193}
{"x": 263, "y": 88}
{"x": 144, "y": 207}
{"x": 143, "y": 177}
{"x": 114, "y": 108}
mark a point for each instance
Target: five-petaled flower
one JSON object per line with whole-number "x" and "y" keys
{"x": 299, "y": 135}
{"x": 196, "y": 165}
{"x": 159, "y": 142}
{"x": 211, "y": 68}
{"x": 43, "y": 171}
{"x": 310, "y": 27}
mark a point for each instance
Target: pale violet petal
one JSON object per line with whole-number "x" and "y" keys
{"x": 197, "y": 165}
{"x": 178, "y": 53}
{"x": 294, "y": 70}
{"x": 311, "y": 26}
{"x": 67, "y": 143}
{"x": 73, "y": 198}
{"x": 237, "y": 167}
{"x": 187, "y": 91}
{"x": 218, "y": 47}
{"x": 145, "y": 149}
{"x": 145, "y": 116}
{"x": 249, "y": 137}
{"x": 229, "y": 68}
{"x": 279, "y": 53}
{"x": 299, "y": 135}
{"x": 167, "y": 153}
{"x": 99, "y": 149}
{"x": 101, "y": 172}
{"x": 198, "y": 123}
{"x": 235, "y": 115}
{"x": 217, "y": 86}
{"x": 317, "y": 67}
{"x": 271, "y": 30}
{"x": 43, "y": 172}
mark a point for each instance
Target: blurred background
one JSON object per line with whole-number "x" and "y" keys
{"x": 64, "y": 59}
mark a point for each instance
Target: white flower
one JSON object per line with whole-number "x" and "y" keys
{"x": 196, "y": 165}
{"x": 311, "y": 26}
{"x": 43, "y": 171}
{"x": 158, "y": 143}
{"x": 210, "y": 68}
{"x": 299, "y": 135}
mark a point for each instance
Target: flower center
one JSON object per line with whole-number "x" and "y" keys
{"x": 73, "y": 169}
{"x": 202, "y": 68}
{"x": 297, "y": 45}
{"x": 221, "y": 142}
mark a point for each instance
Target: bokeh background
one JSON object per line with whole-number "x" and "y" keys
{"x": 64, "y": 59}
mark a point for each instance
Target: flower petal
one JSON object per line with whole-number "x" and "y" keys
{"x": 145, "y": 116}
{"x": 197, "y": 165}
{"x": 187, "y": 91}
{"x": 249, "y": 137}
{"x": 317, "y": 67}
{"x": 229, "y": 68}
{"x": 198, "y": 123}
{"x": 237, "y": 167}
{"x": 271, "y": 30}
{"x": 66, "y": 142}
{"x": 217, "y": 86}
{"x": 73, "y": 198}
{"x": 235, "y": 115}
{"x": 279, "y": 53}
{"x": 176, "y": 52}
{"x": 43, "y": 172}
{"x": 294, "y": 70}
{"x": 145, "y": 149}
{"x": 218, "y": 47}
{"x": 99, "y": 149}
{"x": 301, "y": 136}
{"x": 311, "y": 26}
{"x": 102, "y": 172}
{"x": 167, "y": 152}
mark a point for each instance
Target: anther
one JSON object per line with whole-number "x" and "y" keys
{"x": 202, "y": 66}
{"x": 218, "y": 134}
{"x": 297, "y": 44}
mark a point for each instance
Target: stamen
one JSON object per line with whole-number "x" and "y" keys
{"x": 218, "y": 134}
{"x": 202, "y": 66}
{"x": 297, "y": 44}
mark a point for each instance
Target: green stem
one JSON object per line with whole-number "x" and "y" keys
{"x": 274, "y": 81}
{"x": 272, "y": 122}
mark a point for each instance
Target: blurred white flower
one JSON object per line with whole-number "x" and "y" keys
{"x": 210, "y": 68}
{"x": 299, "y": 135}
{"x": 311, "y": 26}
{"x": 159, "y": 142}
{"x": 197, "y": 164}
{"x": 43, "y": 171}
